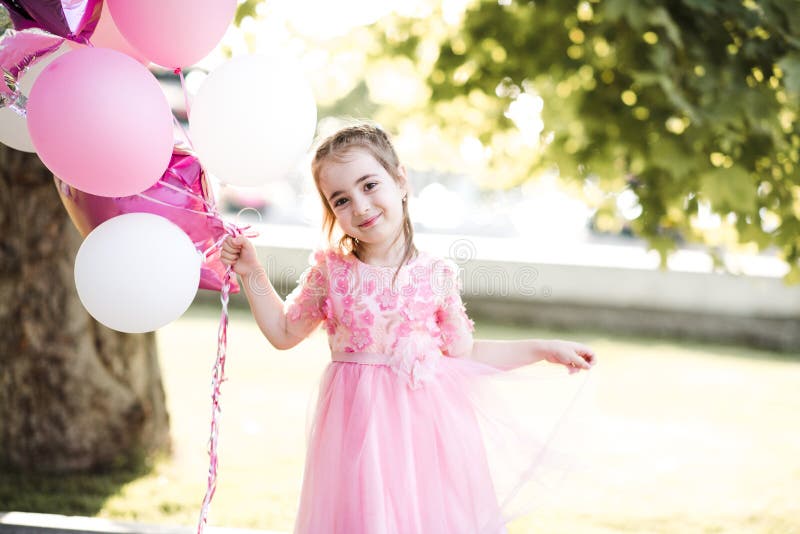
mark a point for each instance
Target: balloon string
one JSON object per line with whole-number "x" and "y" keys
{"x": 235, "y": 230}
{"x": 232, "y": 229}
{"x": 188, "y": 192}
{"x": 156, "y": 201}
{"x": 183, "y": 130}
{"x": 212, "y": 209}
{"x": 217, "y": 378}
{"x": 179, "y": 72}
{"x": 210, "y": 206}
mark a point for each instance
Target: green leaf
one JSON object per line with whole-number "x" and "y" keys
{"x": 676, "y": 97}
{"x": 245, "y": 9}
{"x": 634, "y": 12}
{"x": 701, "y": 5}
{"x": 5, "y": 20}
{"x": 793, "y": 276}
{"x": 646, "y": 78}
{"x": 670, "y": 156}
{"x": 729, "y": 189}
{"x": 614, "y": 9}
{"x": 791, "y": 12}
{"x": 752, "y": 233}
{"x": 661, "y": 17}
{"x": 790, "y": 65}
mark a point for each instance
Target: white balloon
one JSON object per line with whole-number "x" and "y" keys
{"x": 253, "y": 119}
{"x": 13, "y": 127}
{"x": 137, "y": 272}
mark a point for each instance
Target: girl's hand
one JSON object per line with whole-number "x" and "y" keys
{"x": 240, "y": 253}
{"x": 574, "y": 356}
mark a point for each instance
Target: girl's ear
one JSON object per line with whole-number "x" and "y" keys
{"x": 403, "y": 178}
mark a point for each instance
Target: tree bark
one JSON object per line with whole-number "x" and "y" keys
{"x": 74, "y": 395}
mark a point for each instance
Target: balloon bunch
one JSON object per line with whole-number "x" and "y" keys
{"x": 77, "y": 91}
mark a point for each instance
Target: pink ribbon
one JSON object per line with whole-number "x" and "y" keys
{"x": 217, "y": 378}
{"x": 179, "y": 72}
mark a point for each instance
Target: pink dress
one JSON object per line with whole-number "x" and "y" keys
{"x": 407, "y": 436}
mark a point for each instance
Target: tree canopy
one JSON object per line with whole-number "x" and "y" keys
{"x": 691, "y": 105}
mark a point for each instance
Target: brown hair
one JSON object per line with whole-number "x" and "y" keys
{"x": 375, "y": 142}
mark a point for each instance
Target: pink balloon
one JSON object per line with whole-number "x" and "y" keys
{"x": 173, "y": 33}
{"x": 100, "y": 120}
{"x": 107, "y": 35}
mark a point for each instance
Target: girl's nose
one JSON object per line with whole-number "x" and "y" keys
{"x": 360, "y": 205}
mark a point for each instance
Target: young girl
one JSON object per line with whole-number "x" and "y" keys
{"x": 398, "y": 443}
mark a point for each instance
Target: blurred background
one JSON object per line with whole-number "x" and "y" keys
{"x": 619, "y": 173}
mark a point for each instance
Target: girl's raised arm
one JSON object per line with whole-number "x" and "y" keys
{"x": 457, "y": 335}
{"x": 283, "y": 324}
{"x": 510, "y": 354}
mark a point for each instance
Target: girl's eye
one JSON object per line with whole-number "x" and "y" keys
{"x": 368, "y": 186}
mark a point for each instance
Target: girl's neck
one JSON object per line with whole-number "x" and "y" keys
{"x": 388, "y": 254}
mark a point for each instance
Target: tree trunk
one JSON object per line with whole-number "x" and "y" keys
{"x": 74, "y": 395}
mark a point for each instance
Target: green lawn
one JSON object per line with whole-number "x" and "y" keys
{"x": 697, "y": 438}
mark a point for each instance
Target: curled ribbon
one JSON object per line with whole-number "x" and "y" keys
{"x": 217, "y": 378}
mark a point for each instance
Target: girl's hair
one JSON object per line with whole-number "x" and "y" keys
{"x": 337, "y": 147}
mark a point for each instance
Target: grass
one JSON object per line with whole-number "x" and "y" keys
{"x": 697, "y": 438}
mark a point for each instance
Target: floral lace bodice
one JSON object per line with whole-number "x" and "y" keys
{"x": 415, "y": 320}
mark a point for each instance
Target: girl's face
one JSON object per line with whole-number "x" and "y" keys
{"x": 366, "y": 200}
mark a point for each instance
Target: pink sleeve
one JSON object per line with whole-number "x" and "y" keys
{"x": 304, "y": 305}
{"x": 455, "y": 326}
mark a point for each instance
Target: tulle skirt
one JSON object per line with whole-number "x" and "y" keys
{"x": 471, "y": 449}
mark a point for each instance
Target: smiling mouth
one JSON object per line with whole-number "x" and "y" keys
{"x": 369, "y": 222}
